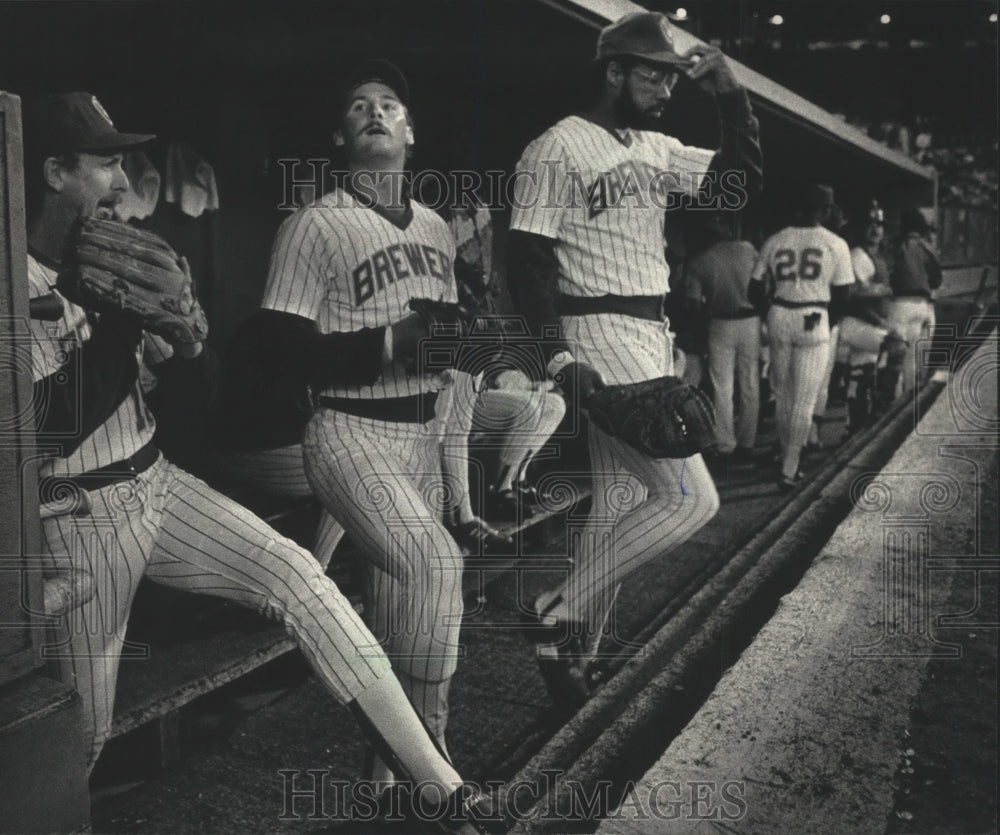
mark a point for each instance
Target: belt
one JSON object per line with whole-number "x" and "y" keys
{"x": 102, "y": 477}
{"x": 418, "y": 408}
{"x": 783, "y": 303}
{"x": 641, "y": 307}
{"x": 739, "y": 314}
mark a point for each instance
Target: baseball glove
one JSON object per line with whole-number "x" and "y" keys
{"x": 662, "y": 418}
{"x": 113, "y": 266}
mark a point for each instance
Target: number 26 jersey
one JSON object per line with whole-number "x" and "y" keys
{"x": 802, "y": 263}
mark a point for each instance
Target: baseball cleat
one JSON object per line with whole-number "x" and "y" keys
{"x": 479, "y": 539}
{"x": 566, "y": 655}
{"x": 787, "y": 485}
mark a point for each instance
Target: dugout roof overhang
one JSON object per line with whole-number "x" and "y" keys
{"x": 794, "y": 130}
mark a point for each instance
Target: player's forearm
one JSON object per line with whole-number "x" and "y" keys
{"x": 532, "y": 260}
{"x": 739, "y": 150}
{"x": 839, "y": 297}
{"x": 90, "y": 386}
{"x": 350, "y": 358}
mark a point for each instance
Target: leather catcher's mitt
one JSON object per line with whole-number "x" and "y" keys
{"x": 113, "y": 266}
{"x": 662, "y": 418}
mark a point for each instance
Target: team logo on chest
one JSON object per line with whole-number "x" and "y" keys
{"x": 398, "y": 262}
{"x": 632, "y": 183}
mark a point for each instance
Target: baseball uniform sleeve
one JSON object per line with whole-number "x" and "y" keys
{"x": 540, "y": 187}
{"x": 762, "y": 266}
{"x": 297, "y": 280}
{"x": 862, "y": 264}
{"x": 687, "y": 163}
{"x": 843, "y": 271}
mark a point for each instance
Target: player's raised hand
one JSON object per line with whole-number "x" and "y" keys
{"x": 709, "y": 70}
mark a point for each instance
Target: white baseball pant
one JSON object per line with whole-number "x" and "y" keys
{"x": 171, "y": 527}
{"x": 798, "y": 362}
{"x": 641, "y": 507}
{"x": 734, "y": 356}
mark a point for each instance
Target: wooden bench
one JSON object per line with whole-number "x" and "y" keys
{"x": 182, "y": 646}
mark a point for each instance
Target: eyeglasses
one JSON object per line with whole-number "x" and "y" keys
{"x": 658, "y": 78}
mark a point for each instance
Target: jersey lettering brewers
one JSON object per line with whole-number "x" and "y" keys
{"x": 603, "y": 195}
{"x": 347, "y": 266}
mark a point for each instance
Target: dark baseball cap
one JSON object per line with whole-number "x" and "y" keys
{"x": 913, "y": 220}
{"x": 75, "y": 122}
{"x": 380, "y": 70}
{"x": 644, "y": 35}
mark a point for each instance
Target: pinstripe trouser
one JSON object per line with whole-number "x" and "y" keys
{"x": 641, "y": 507}
{"x": 382, "y": 481}
{"x": 798, "y": 365}
{"x": 281, "y": 472}
{"x": 172, "y": 528}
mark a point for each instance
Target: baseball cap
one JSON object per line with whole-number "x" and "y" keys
{"x": 643, "y": 35}
{"x": 75, "y": 122}
{"x": 380, "y": 70}
{"x": 913, "y": 220}
{"x": 815, "y": 197}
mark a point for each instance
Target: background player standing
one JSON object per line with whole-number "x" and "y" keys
{"x": 717, "y": 278}
{"x": 915, "y": 277}
{"x": 130, "y": 513}
{"x": 587, "y": 245}
{"x": 342, "y": 270}
{"x": 804, "y": 272}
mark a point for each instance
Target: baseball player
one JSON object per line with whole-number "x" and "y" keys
{"x": 587, "y": 245}
{"x": 915, "y": 277}
{"x": 123, "y": 512}
{"x": 344, "y": 270}
{"x": 869, "y": 350}
{"x": 717, "y": 279}
{"x": 804, "y": 271}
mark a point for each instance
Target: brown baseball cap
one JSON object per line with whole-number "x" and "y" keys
{"x": 75, "y": 122}
{"x": 644, "y": 35}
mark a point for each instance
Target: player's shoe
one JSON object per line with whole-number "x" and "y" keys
{"x": 566, "y": 655}
{"x": 787, "y": 485}
{"x": 478, "y": 539}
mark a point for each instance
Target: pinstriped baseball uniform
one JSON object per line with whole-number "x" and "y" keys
{"x": 601, "y": 197}
{"x": 171, "y": 527}
{"x": 346, "y": 266}
{"x": 801, "y": 263}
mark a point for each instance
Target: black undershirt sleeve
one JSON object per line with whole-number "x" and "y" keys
{"x": 839, "y": 297}
{"x": 90, "y": 386}
{"x": 533, "y": 279}
{"x": 353, "y": 358}
{"x": 738, "y": 164}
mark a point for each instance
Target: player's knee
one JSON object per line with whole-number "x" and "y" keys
{"x": 553, "y": 409}
{"x": 708, "y": 500}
